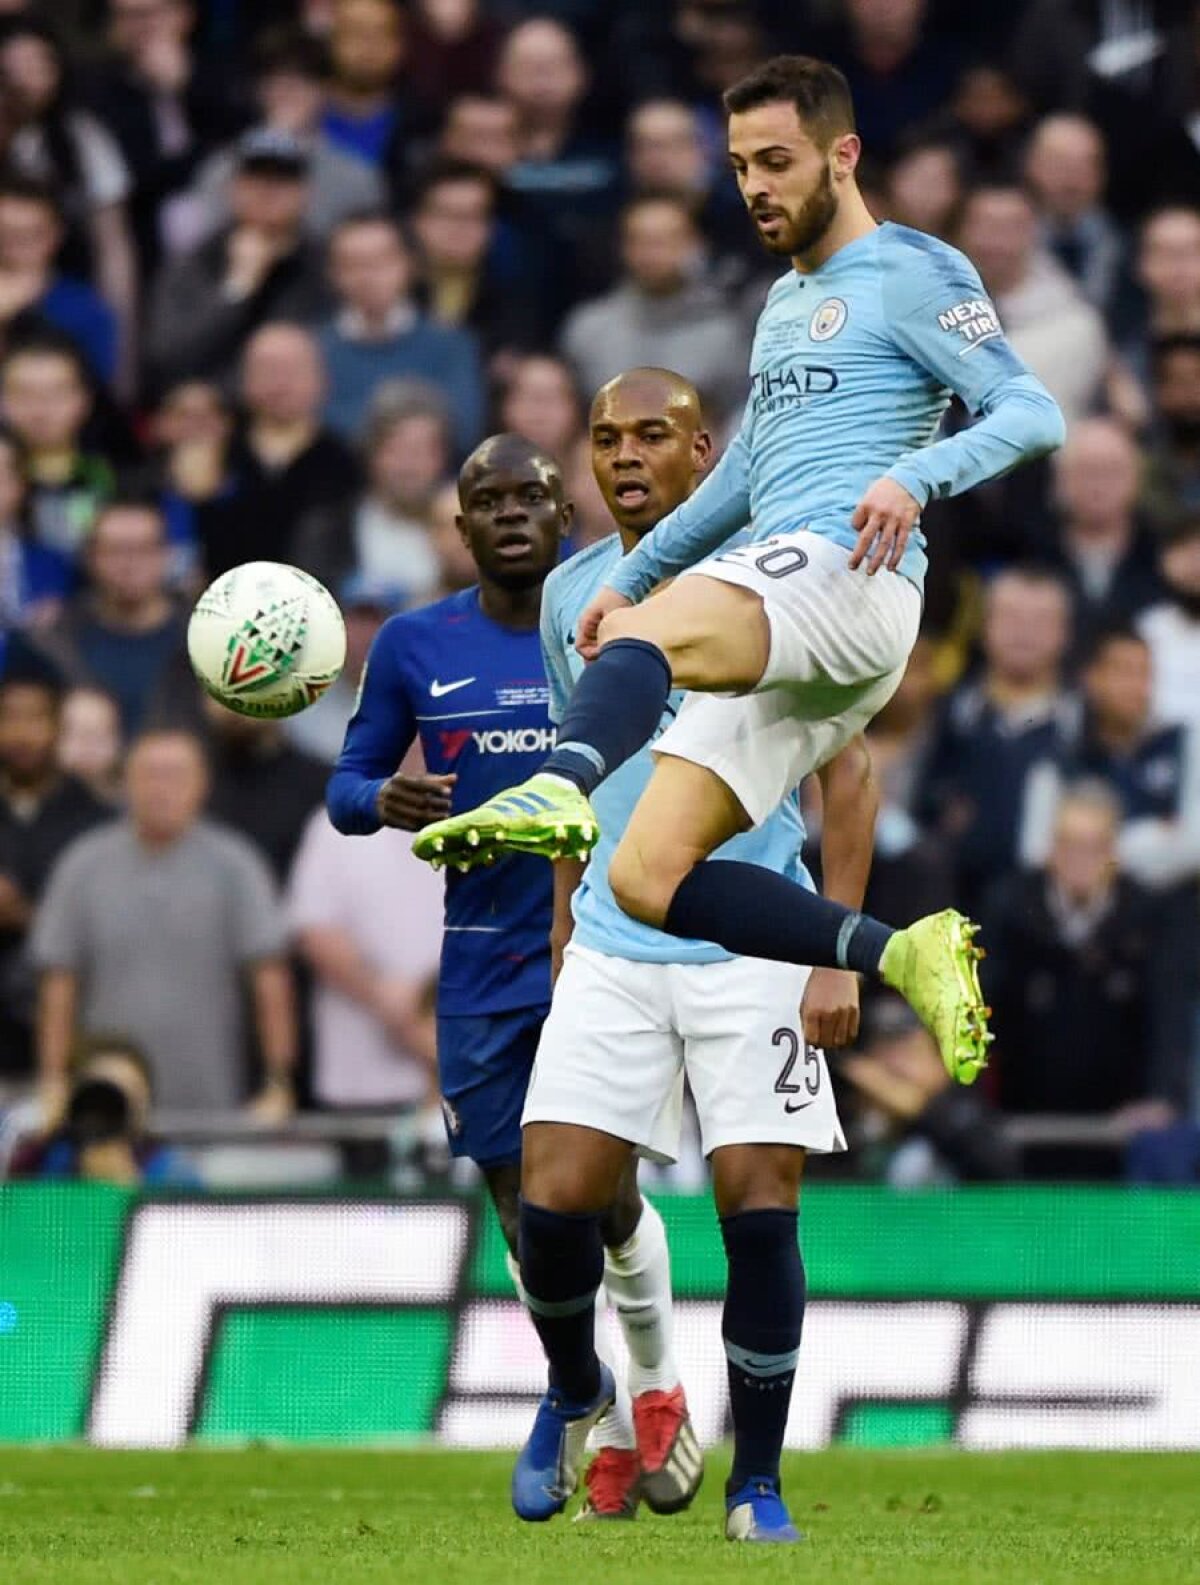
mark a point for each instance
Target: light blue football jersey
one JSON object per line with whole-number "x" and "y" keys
{"x": 599, "y": 923}
{"x": 851, "y": 371}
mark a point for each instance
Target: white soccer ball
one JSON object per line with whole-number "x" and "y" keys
{"x": 266, "y": 639}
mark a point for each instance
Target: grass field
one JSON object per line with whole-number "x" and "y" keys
{"x": 79, "y": 1517}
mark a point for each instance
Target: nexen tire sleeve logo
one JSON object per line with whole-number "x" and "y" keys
{"x": 1005, "y": 1374}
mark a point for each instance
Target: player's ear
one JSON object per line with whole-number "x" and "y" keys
{"x": 460, "y": 524}
{"x": 566, "y": 518}
{"x": 702, "y": 450}
{"x": 844, "y": 154}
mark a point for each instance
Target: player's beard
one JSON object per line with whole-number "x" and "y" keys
{"x": 810, "y": 225}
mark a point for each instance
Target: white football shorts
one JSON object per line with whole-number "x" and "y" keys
{"x": 840, "y": 641}
{"x": 621, "y": 1035}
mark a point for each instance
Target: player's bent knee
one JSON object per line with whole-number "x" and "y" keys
{"x": 574, "y": 1171}
{"x": 641, "y": 891}
{"x": 757, "y": 1178}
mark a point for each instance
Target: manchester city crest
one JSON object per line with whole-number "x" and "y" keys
{"x": 827, "y": 319}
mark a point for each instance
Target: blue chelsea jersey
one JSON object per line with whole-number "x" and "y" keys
{"x": 852, "y": 369}
{"x": 599, "y": 922}
{"x": 476, "y": 694}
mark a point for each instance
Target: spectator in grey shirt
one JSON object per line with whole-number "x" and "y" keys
{"x": 151, "y": 926}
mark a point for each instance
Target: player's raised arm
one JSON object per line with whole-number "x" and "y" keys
{"x": 717, "y": 509}
{"x": 380, "y": 733}
{"x": 938, "y": 311}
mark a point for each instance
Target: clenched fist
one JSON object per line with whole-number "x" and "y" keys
{"x": 409, "y": 802}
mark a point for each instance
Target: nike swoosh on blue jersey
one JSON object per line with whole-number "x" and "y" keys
{"x": 439, "y": 689}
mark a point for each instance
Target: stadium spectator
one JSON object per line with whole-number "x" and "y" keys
{"x": 33, "y": 293}
{"x": 454, "y": 47}
{"x": 121, "y": 632}
{"x": 1171, "y": 489}
{"x": 1103, "y": 550}
{"x": 988, "y": 122}
{"x": 154, "y": 924}
{"x": 34, "y": 580}
{"x": 41, "y": 812}
{"x": 1066, "y": 169}
{"x": 191, "y": 434}
{"x": 45, "y": 397}
{"x": 666, "y": 152}
{"x": 260, "y": 267}
{"x": 541, "y": 402}
{"x": 1045, "y": 316}
{"x": 366, "y": 605}
{"x": 666, "y": 312}
{"x": 1091, "y": 1013}
{"x": 456, "y": 570}
{"x": 1167, "y": 270}
{"x": 286, "y": 468}
{"x": 1172, "y": 630}
{"x": 261, "y": 785}
{"x": 104, "y": 1136}
{"x": 1152, "y": 768}
{"x": 291, "y": 76}
{"x": 366, "y": 919}
{"x": 370, "y": 109}
{"x": 482, "y": 131}
{"x": 51, "y": 140}
{"x": 89, "y": 742}
{"x": 1000, "y": 739}
{"x": 453, "y": 225}
{"x": 378, "y": 333}
{"x": 925, "y": 187}
{"x": 165, "y": 107}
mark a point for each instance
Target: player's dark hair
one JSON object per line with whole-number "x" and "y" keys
{"x": 1115, "y": 633}
{"x": 819, "y": 92}
{"x": 1165, "y": 347}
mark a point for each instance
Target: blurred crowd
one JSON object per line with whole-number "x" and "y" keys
{"x": 268, "y": 272}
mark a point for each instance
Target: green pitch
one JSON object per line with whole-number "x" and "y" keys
{"x": 78, "y": 1517}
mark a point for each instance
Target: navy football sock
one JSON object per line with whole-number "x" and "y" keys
{"x": 757, "y": 914}
{"x": 614, "y": 711}
{"x": 562, "y": 1265}
{"x": 764, "y": 1314}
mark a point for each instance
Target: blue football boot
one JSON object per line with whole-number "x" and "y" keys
{"x": 547, "y": 1470}
{"x": 756, "y": 1512}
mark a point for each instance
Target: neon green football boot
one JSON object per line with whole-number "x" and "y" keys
{"x": 934, "y": 964}
{"x": 544, "y": 815}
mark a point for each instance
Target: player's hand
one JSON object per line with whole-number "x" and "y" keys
{"x": 587, "y": 629}
{"x": 884, "y": 519}
{"x": 410, "y": 802}
{"x": 829, "y": 1008}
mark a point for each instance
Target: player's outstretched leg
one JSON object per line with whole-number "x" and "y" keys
{"x": 562, "y": 1262}
{"x": 637, "y": 1277}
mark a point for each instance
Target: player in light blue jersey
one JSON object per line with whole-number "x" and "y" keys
{"x": 798, "y": 639}
{"x": 634, "y": 1009}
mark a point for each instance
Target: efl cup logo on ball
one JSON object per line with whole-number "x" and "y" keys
{"x": 266, "y": 639}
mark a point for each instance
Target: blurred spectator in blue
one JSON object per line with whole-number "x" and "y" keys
{"x": 408, "y": 455}
{"x": 32, "y": 291}
{"x": 461, "y": 281}
{"x": 34, "y": 579}
{"x": 1167, "y": 272}
{"x": 166, "y": 925}
{"x": 925, "y": 186}
{"x": 1048, "y": 321}
{"x": 191, "y": 434}
{"x": 41, "y": 812}
{"x": 366, "y": 605}
{"x": 262, "y": 785}
{"x": 165, "y": 107}
{"x": 287, "y": 470}
{"x": 1172, "y": 630}
{"x": 1000, "y": 739}
{"x": 1171, "y": 489}
{"x": 260, "y": 267}
{"x": 46, "y": 399}
{"x": 120, "y": 633}
{"x": 55, "y": 142}
{"x": 1066, "y": 170}
{"x": 378, "y": 333}
{"x": 1152, "y": 767}
{"x": 1102, "y": 548}
{"x": 540, "y": 401}
{"x": 1091, "y": 1012}
{"x": 372, "y": 109}
{"x": 666, "y": 311}
{"x": 90, "y": 743}
{"x": 104, "y": 1136}
{"x": 291, "y": 76}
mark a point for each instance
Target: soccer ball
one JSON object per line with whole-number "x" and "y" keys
{"x": 266, "y": 639}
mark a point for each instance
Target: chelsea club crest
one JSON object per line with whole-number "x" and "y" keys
{"x": 827, "y": 319}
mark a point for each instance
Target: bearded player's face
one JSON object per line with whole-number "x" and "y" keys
{"x": 784, "y": 178}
